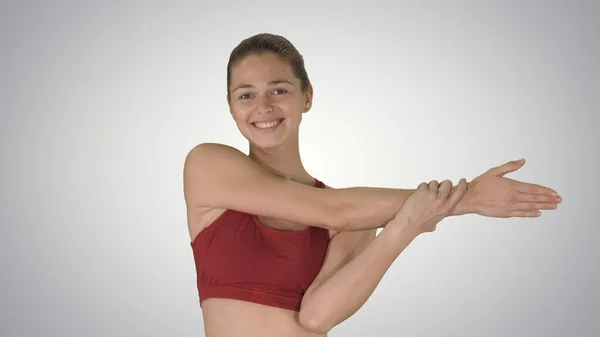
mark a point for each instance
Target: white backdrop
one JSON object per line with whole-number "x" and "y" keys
{"x": 101, "y": 101}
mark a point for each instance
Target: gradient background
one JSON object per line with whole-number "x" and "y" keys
{"x": 101, "y": 101}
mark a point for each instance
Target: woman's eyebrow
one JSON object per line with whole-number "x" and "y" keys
{"x": 280, "y": 81}
{"x": 274, "y": 82}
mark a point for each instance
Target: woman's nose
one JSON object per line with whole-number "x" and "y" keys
{"x": 264, "y": 104}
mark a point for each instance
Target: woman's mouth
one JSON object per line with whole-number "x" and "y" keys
{"x": 268, "y": 125}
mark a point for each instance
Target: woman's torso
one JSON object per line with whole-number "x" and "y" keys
{"x": 229, "y": 317}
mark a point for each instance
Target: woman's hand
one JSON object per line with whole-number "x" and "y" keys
{"x": 493, "y": 195}
{"x": 428, "y": 205}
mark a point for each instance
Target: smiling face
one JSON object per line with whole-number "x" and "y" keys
{"x": 266, "y": 100}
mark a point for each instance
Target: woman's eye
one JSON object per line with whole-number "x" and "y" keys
{"x": 245, "y": 96}
{"x": 280, "y": 91}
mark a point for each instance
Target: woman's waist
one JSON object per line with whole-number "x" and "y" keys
{"x": 228, "y": 317}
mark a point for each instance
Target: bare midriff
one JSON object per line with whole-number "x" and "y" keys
{"x": 232, "y": 318}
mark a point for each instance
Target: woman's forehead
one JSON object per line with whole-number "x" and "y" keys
{"x": 263, "y": 67}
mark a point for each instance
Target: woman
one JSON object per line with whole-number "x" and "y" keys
{"x": 277, "y": 252}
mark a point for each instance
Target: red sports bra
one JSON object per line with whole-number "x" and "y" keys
{"x": 238, "y": 257}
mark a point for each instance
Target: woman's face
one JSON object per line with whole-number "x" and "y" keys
{"x": 266, "y": 100}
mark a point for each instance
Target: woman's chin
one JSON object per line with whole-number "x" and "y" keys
{"x": 269, "y": 141}
{"x": 267, "y": 145}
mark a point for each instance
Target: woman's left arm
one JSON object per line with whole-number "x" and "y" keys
{"x": 355, "y": 263}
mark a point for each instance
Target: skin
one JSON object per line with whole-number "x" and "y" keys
{"x": 263, "y": 87}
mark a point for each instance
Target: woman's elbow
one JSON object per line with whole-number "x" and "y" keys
{"x": 314, "y": 322}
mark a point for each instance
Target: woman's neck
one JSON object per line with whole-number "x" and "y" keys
{"x": 283, "y": 161}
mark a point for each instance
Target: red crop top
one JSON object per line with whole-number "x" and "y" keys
{"x": 238, "y": 257}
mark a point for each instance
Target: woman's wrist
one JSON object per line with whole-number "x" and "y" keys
{"x": 468, "y": 204}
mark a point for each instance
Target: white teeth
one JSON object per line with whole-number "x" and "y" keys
{"x": 267, "y": 125}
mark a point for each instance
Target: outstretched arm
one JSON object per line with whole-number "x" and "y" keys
{"x": 221, "y": 176}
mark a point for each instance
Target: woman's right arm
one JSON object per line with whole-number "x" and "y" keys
{"x": 221, "y": 176}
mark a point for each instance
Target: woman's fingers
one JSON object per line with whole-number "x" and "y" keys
{"x": 525, "y": 214}
{"x": 529, "y": 205}
{"x": 527, "y": 197}
{"x": 528, "y": 188}
{"x": 532, "y": 206}
{"x": 433, "y": 186}
{"x": 444, "y": 189}
{"x": 458, "y": 193}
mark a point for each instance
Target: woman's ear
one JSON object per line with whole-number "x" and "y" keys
{"x": 308, "y": 97}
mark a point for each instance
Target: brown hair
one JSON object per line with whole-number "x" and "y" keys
{"x": 277, "y": 44}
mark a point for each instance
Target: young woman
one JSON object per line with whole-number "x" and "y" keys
{"x": 277, "y": 252}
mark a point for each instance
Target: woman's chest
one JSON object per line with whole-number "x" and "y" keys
{"x": 253, "y": 253}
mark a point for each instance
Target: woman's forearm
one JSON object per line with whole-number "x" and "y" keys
{"x": 340, "y": 296}
{"x": 363, "y": 208}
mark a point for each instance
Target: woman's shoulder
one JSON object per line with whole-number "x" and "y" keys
{"x": 204, "y": 150}
{"x": 206, "y": 163}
